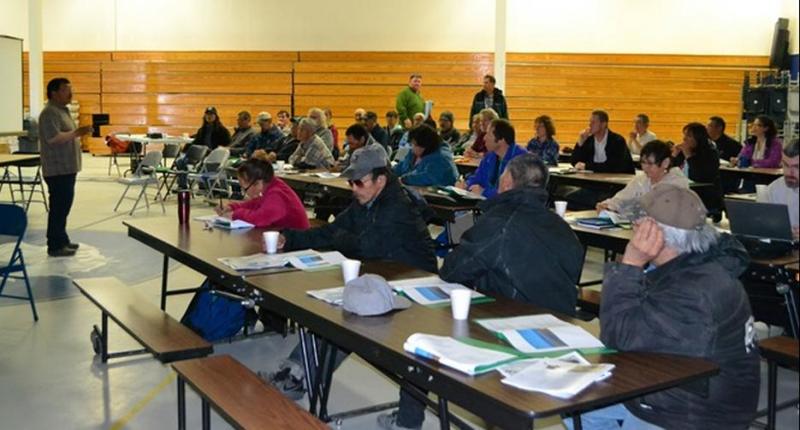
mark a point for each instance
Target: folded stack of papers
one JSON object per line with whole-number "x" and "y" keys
{"x": 430, "y": 290}
{"x": 540, "y": 333}
{"x": 223, "y": 222}
{"x": 452, "y": 353}
{"x": 334, "y": 296}
{"x": 458, "y": 192}
{"x": 561, "y": 377}
{"x": 308, "y": 260}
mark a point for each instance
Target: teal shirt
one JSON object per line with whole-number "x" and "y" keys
{"x": 409, "y": 103}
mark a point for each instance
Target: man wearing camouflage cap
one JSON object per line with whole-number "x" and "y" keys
{"x": 676, "y": 291}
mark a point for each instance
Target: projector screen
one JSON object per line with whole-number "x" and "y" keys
{"x": 10, "y": 85}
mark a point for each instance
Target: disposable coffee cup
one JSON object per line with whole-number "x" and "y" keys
{"x": 460, "y": 299}
{"x": 271, "y": 241}
{"x": 280, "y": 164}
{"x": 761, "y": 193}
{"x": 561, "y": 208}
{"x": 350, "y": 269}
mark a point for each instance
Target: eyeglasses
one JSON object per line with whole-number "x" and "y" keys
{"x": 244, "y": 191}
{"x": 358, "y": 183}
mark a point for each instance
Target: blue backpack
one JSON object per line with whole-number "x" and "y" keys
{"x": 213, "y": 316}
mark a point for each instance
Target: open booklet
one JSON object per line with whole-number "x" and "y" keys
{"x": 430, "y": 290}
{"x": 309, "y": 260}
{"x": 224, "y": 222}
{"x": 458, "y": 192}
{"x": 458, "y": 355}
{"x": 561, "y": 377}
{"x": 540, "y": 333}
{"x": 333, "y": 296}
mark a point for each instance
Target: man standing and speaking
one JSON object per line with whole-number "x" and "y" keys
{"x": 61, "y": 161}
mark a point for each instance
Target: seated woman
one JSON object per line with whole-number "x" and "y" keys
{"x": 698, "y": 158}
{"x": 543, "y": 143}
{"x": 468, "y": 139}
{"x": 269, "y": 202}
{"x": 478, "y": 149}
{"x": 429, "y": 162}
{"x": 656, "y": 165}
{"x": 762, "y": 148}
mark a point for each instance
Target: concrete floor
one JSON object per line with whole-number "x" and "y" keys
{"x": 50, "y": 377}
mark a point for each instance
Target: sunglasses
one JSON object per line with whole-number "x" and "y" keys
{"x": 355, "y": 182}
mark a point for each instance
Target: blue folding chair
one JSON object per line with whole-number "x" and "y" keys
{"x": 14, "y": 224}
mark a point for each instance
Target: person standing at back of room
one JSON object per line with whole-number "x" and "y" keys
{"x": 61, "y": 162}
{"x": 409, "y": 101}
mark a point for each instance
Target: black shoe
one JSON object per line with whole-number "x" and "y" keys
{"x": 289, "y": 385}
{"x": 63, "y": 252}
{"x": 73, "y": 246}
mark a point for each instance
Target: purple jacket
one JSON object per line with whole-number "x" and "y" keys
{"x": 772, "y": 154}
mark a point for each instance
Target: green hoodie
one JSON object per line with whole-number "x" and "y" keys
{"x": 409, "y": 103}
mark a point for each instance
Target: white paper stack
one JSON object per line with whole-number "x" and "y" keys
{"x": 558, "y": 378}
{"x": 430, "y": 290}
{"x": 540, "y": 333}
{"x": 457, "y": 355}
{"x": 224, "y": 222}
{"x": 334, "y": 296}
{"x": 308, "y": 260}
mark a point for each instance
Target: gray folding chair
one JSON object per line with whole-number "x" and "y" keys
{"x": 212, "y": 173}
{"x": 144, "y": 175}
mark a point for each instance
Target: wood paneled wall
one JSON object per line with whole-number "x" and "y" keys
{"x": 167, "y": 91}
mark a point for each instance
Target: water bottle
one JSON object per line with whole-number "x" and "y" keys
{"x": 183, "y": 206}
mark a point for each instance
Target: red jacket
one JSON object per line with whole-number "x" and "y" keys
{"x": 278, "y": 207}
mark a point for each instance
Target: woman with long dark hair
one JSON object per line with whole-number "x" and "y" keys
{"x": 212, "y": 133}
{"x": 762, "y": 148}
{"x": 698, "y": 158}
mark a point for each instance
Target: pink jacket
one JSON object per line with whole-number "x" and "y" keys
{"x": 278, "y": 207}
{"x": 772, "y": 153}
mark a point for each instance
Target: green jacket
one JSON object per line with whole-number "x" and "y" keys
{"x": 409, "y": 103}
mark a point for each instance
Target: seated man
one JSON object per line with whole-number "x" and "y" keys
{"x": 495, "y": 255}
{"x": 601, "y": 150}
{"x": 320, "y": 120}
{"x": 242, "y": 134}
{"x": 357, "y": 137}
{"x": 375, "y": 130}
{"x": 727, "y": 146}
{"x": 676, "y": 291}
{"x": 393, "y": 129}
{"x": 450, "y": 135}
{"x": 284, "y": 121}
{"x": 311, "y": 152}
{"x": 381, "y": 223}
{"x": 288, "y": 144}
{"x": 784, "y": 191}
{"x": 640, "y": 134}
{"x": 268, "y": 138}
{"x": 501, "y": 148}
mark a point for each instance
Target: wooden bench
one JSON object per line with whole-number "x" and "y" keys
{"x": 160, "y": 335}
{"x": 239, "y": 396}
{"x": 784, "y": 352}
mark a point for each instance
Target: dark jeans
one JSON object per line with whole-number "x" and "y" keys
{"x": 411, "y": 412}
{"x": 62, "y": 194}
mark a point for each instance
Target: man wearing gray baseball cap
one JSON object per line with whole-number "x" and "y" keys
{"x": 382, "y": 223}
{"x": 677, "y": 291}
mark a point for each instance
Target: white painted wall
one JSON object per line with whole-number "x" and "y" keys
{"x": 593, "y": 26}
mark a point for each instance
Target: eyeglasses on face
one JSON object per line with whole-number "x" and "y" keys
{"x": 358, "y": 183}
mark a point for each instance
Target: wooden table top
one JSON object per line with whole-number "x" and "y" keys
{"x": 11, "y": 159}
{"x": 244, "y": 398}
{"x": 767, "y": 171}
{"x": 782, "y": 349}
{"x": 379, "y": 340}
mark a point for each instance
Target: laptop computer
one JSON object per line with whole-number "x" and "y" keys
{"x": 763, "y": 228}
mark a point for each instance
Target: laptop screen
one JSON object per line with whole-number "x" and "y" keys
{"x": 759, "y": 220}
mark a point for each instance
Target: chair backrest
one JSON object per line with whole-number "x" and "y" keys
{"x": 14, "y": 220}
{"x": 150, "y": 161}
{"x": 216, "y": 160}
{"x": 195, "y": 154}
{"x": 170, "y": 150}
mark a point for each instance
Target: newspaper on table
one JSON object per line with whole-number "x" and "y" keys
{"x": 224, "y": 222}
{"x": 333, "y": 296}
{"x": 561, "y": 377}
{"x": 429, "y": 290}
{"x": 308, "y": 260}
{"x": 460, "y": 356}
{"x": 540, "y": 333}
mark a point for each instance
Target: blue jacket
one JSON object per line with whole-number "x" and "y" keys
{"x": 436, "y": 168}
{"x": 267, "y": 141}
{"x": 488, "y": 174}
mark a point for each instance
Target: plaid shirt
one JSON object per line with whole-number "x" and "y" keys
{"x": 312, "y": 152}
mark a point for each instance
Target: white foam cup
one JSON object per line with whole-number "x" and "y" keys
{"x": 350, "y": 269}
{"x": 271, "y": 241}
{"x": 460, "y": 299}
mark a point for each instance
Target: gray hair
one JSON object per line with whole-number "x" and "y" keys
{"x": 307, "y": 124}
{"x": 791, "y": 150}
{"x": 528, "y": 170}
{"x": 689, "y": 241}
{"x": 323, "y": 119}
{"x": 488, "y": 113}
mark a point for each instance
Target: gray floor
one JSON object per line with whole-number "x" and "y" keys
{"x": 50, "y": 377}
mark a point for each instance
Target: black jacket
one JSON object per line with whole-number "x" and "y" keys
{"x": 498, "y": 104}
{"x": 704, "y": 168}
{"x": 379, "y": 134}
{"x": 390, "y": 229}
{"x": 618, "y": 157}
{"x": 220, "y": 136}
{"x": 693, "y": 306}
{"x": 519, "y": 249}
{"x": 728, "y": 147}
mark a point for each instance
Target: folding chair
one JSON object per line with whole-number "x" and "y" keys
{"x": 29, "y": 184}
{"x": 194, "y": 158}
{"x": 212, "y": 173}
{"x": 14, "y": 224}
{"x": 144, "y": 175}
{"x": 170, "y": 150}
